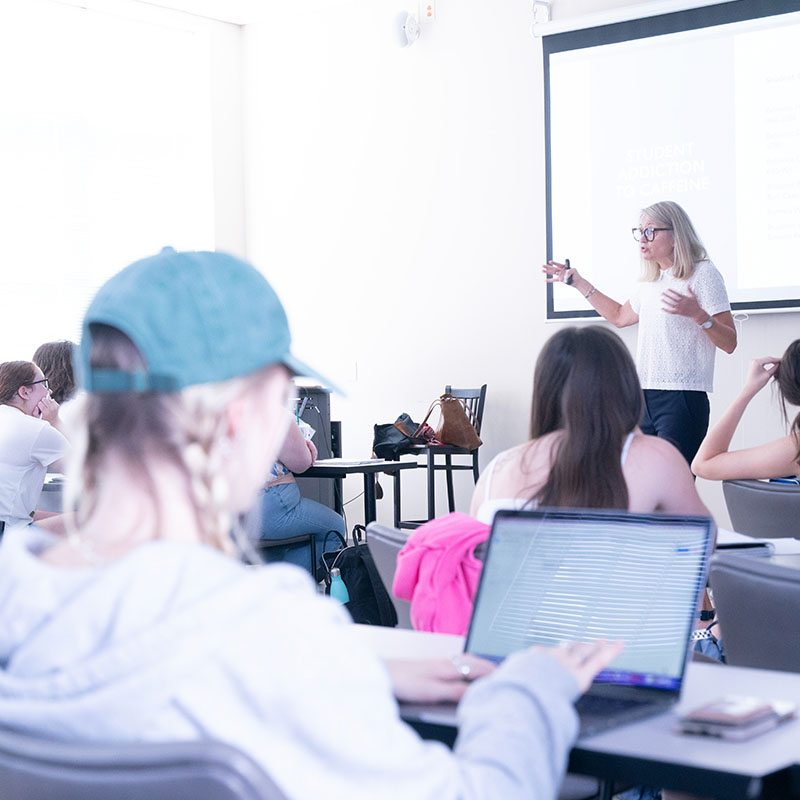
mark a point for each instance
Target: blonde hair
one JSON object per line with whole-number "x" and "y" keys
{"x": 688, "y": 247}
{"x": 185, "y": 429}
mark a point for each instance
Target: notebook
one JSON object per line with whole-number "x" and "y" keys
{"x": 554, "y": 575}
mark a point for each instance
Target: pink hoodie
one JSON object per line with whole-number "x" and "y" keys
{"x": 438, "y": 572}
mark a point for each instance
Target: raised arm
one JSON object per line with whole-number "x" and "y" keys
{"x": 773, "y": 460}
{"x": 618, "y": 314}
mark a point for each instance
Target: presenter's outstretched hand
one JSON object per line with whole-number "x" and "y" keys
{"x": 583, "y": 660}
{"x": 560, "y": 273}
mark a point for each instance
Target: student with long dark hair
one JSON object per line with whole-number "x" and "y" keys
{"x": 585, "y": 448}
{"x": 777, "y": 459}
{"x": 682, "y": 309}
{"x": 141, "y": 626}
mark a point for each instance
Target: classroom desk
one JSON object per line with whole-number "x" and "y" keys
{"x": 785, "y": 546}
{"x": 337, "y": 468}
{"x": 650, "y": 752}
{"x": 52, "y": 496}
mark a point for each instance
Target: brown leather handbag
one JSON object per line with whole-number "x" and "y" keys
{"x": 456, "y": 428}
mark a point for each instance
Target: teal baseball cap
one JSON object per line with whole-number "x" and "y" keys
{"x": 195, "y": 317}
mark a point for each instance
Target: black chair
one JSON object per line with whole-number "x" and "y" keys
{"x": 758, "y": 605}
{"x": 474, "y": 399}
{"x": 763, "y": 510}
{"x": 32, "y": 768}
{"x": 272, "y": 550}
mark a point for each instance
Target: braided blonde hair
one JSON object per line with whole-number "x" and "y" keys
{"x": 185, "y": 429}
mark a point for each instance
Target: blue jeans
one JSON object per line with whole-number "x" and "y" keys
{"x": 285, "y": 513}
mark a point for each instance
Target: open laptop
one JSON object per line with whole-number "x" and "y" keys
{"x": 553, "y": 575}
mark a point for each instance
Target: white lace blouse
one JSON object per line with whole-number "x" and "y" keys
{"x": 673, "y": 351}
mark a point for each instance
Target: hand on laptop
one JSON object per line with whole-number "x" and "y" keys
{"x": 584, "y": 660}
{"x": 439, "y": 680}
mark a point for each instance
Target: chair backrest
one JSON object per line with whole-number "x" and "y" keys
{"x": 384, "y": 544}
{"x": 474, "y": 399}
{"x": 758, "y": 603}
{"x": 764, "y": 510}
{"x": 32, "y": 768}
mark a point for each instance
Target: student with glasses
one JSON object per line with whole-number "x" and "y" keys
{"x": 684, "y": 315}
{"x": 29, "y": 440}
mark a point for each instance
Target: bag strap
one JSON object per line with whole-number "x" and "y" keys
{"x": 359, "y": 532}
{"x": 386, "y": 608}
{"x": 436, "y": 402}
{"x": 336, "y": 535}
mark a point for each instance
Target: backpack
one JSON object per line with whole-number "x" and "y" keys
{"x": 370, "y": 603}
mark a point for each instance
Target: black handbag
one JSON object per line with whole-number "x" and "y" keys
{"x": 391, "y": 440}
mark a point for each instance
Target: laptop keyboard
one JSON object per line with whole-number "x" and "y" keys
{"x": 601, "y": 713}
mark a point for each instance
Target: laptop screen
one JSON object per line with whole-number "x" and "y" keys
{"x": 553, "y": 575}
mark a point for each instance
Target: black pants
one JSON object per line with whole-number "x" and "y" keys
{"x": 678, "y": 416}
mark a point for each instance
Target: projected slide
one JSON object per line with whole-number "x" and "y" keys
{"x": 709, "y": 118}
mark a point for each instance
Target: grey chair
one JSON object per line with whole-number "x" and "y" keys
{"x": 384, "y": 544}
{"x": 758, "y": 605}
{"x": 764, "y": 510}
{"x": 32, "y": 768}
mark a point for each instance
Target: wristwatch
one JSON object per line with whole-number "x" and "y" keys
{"x": 707, "y": 324}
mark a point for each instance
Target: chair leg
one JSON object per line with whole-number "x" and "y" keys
{"x": 312, "y": 546}
{"x": 451, "y": 502}
{"x": 475, "y": 470}
{"x": 431, "y": 487}
{"x": 396, "y": 477}
{"x": 606, "y": 790}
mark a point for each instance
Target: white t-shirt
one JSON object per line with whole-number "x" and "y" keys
{"x": 673, "y": 351}
{"x": 27, "y": 446}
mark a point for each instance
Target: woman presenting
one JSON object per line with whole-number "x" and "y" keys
{"x": 684, "y": 314}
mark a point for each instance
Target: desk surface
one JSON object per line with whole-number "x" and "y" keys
{"x": 785, "y": 546}
{"x": 650, "y": 751}
{"x": 336, "y": 467}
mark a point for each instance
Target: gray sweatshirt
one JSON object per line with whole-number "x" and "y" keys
{"x": 177, "y": 641}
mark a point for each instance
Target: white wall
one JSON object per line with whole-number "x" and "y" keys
{"x": 395, "y": 197}
{"x": 107, "y": 155}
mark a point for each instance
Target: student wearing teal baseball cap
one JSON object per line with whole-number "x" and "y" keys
{"x": 144, "y": 625}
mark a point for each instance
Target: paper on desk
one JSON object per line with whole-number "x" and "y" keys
{"x": 346, "y": 462}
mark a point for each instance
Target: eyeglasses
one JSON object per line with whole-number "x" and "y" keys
{"x": 43, "y": 380}
{"x": 648, "y": 234}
